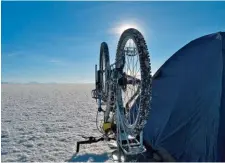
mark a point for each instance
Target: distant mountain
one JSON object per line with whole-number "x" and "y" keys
{"x": 10, "y": 82}
{"x": 33, "y": 82}
{"x": 5, "y": 82}
{"x": 51, "y": 83}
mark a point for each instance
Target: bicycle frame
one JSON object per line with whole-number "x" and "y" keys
{"x": 130, "y": 145}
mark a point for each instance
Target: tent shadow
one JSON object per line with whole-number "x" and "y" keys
{"x": 89, "y": 156}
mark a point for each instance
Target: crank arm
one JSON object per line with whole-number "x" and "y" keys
{"x": 89, "y": 141}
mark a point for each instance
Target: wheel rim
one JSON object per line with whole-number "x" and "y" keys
{"x": 131, "y": 69}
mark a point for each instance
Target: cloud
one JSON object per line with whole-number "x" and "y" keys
{"x": 13, "y": 54}
{"x": 57, "y": 62}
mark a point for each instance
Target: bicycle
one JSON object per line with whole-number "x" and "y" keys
{"x": 124, "y": 118}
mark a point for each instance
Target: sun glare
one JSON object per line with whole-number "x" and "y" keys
{"x": 126, "y": 26}
{"x": 121, "y": 28}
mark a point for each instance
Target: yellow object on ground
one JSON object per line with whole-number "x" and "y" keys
{"x": 107, "y": 126}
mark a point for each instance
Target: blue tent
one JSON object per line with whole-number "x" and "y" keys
{"x": 188, "y": 103}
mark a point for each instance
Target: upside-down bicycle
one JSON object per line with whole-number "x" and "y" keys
{"x": 123, "y": 93}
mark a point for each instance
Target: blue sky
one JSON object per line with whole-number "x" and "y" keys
{"x": 60, "y": 41}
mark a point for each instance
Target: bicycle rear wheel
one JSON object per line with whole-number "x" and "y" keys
{"x": 104, "y": 66}
{"x": 134, "y": 89}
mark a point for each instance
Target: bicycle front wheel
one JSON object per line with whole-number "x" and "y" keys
{"x": 134, "y": 88}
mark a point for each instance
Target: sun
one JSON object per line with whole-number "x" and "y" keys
{"x": 122, "y": 27}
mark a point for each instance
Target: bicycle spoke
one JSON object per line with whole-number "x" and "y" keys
{"x": 131, "y": 69}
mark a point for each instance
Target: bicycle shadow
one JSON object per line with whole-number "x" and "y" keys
{"x": 89, "y": 157}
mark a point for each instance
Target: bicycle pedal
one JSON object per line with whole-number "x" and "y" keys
{"x": 130, "y": 137}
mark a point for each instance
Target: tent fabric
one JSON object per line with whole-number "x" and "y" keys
{"x": 187, "y": 116}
